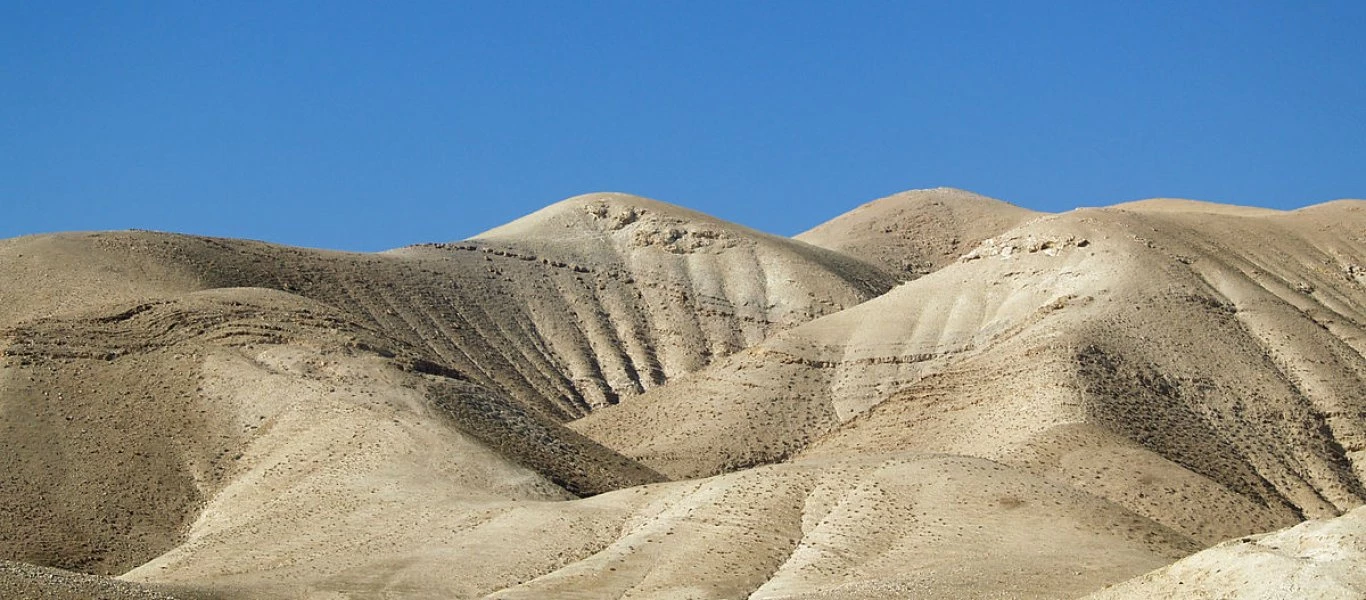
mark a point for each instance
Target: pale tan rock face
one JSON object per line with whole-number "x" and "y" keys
{"x": 1317, "y": 559}
{"x": 934, "y": 395}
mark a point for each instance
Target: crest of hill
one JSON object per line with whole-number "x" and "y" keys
{"x": 1183, "y": 205}
{"x": 610, "y": 226}
{"x": 1345, "y": 206}
{"x": 574, "y": 217}
{"x": 915, "y": 232}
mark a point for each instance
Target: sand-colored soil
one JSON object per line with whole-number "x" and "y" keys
{"x": 935, "y": 395}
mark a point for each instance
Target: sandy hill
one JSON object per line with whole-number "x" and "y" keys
{"x": 112, "y": 335}
{"x": 1149, "y": 357}
{"x": 561, "y": 327}
{"x": 192, "y": 396}
{"x": 1183, "y": 205}
{"x": 618, "y": 397}
{"x": 916, "y": 232}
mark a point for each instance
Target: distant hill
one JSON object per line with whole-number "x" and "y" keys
{"x": 914, "y": 233}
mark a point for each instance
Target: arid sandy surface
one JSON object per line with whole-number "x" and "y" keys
{"x": 936, "y": 395}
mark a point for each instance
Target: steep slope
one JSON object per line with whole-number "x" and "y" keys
{"x": 1149, "y": 357}
{"x": 916, "y": 232}
{"x": 1323, "y": 559}
{"x": 664, "y": 290}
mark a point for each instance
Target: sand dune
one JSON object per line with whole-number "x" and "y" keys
{"x": 618, "y": 397}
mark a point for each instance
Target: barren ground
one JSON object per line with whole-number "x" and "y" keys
{"x": 935, "y": 395}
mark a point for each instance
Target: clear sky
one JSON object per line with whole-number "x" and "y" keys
{"x": 366, "y": 126}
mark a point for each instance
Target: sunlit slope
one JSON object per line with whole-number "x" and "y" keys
{"x": 946, "y": 527}
{"x": 919, "y": 231}
{"x": 1323, "y": 559}
{"x": 668, "y": 290}
{"x": 1204, "y": 370}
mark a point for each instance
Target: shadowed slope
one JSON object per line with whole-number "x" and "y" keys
{"x": 119, "y": 425}
{"x": 29, "y": 582}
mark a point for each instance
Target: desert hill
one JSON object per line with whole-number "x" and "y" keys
{"x": 191, "y": 396}
{"x": 916, "y": 232}
{"x": 1103, "y": 347}
{"x": 559, "y": 327}
{"x": 618, "y": 397}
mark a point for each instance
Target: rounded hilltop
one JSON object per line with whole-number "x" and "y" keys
{"x": 917, "y": 231}
{"x": 601, "y": 212}
{"x": 1345, "y": 206}
{"x": 1185, "y": 205}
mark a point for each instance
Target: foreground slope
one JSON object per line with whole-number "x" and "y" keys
{"x": 922, "y": 525}
{"x": 1323, "y": 559}
{"x": 29, "y": 582}
{"x": 1150, "y": 357}
{"x": 329, "y": 464}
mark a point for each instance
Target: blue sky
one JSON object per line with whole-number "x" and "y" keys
{"x": 363, "y": 126}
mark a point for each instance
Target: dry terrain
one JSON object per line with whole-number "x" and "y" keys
{"x": 936, "y": 395}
